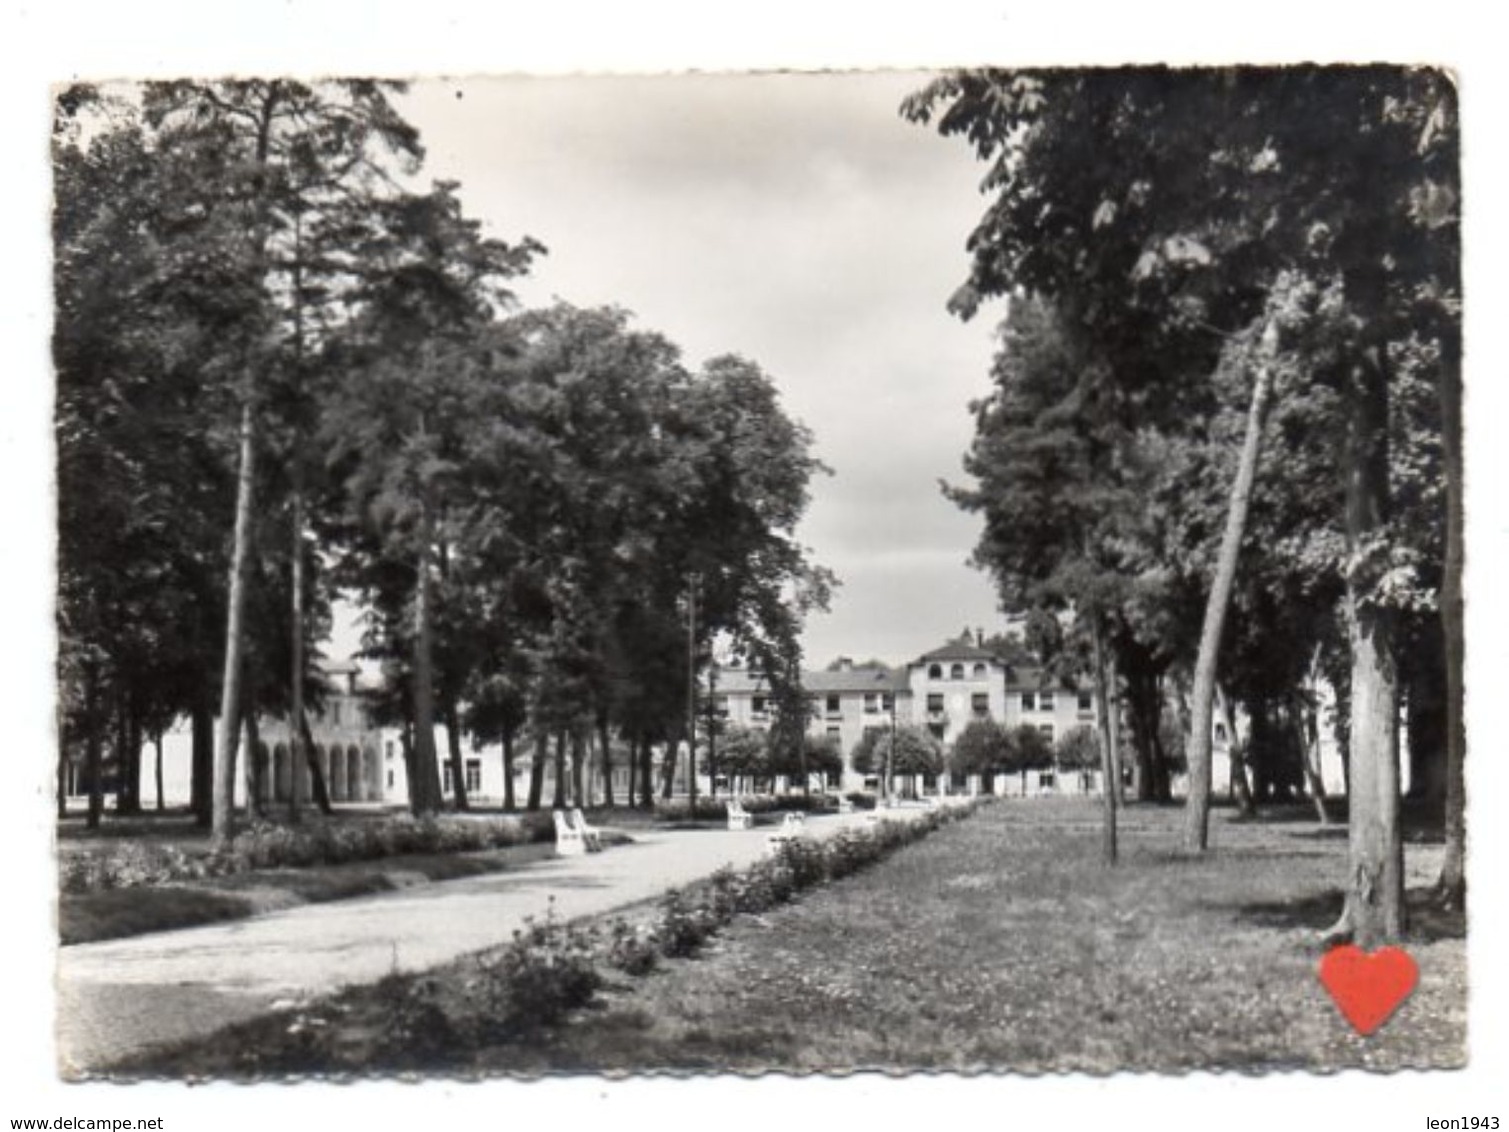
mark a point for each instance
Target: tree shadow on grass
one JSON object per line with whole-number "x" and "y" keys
{"x": 1429, "y": 922}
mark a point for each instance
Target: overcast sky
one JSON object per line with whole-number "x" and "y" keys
{"x": 797, "y": 220}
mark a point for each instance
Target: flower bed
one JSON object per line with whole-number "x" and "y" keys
{"x": 266, "y": 845}
{"x": 515, "y": 995}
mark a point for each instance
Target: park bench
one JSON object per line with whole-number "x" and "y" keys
{"x": 791, "y": 829}
{"x": 591, "y": 835}
{"x": 738, "y": 816}
{"x": 569, "y": 841}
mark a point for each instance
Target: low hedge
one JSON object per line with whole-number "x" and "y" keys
{"x": 267, "y": 845}
{"x": 715, "y": 809}
{"x": 688, "y": 916}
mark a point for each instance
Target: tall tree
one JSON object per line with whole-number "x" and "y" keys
{"x": 251, "y": 137}
{"x": 1161, "y": 206}
{"x": 416, "y": 375}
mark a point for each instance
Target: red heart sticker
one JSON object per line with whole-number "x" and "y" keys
{"x": 1368, "y": 988}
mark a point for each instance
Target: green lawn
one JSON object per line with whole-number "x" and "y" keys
{"x": 999, "y": 942}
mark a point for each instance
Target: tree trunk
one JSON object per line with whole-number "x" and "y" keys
{"x": 1374, "y": 912}
{"x": 128, "y": 788}
{"x": 1162, "y": 788}
{"x": 453, "y": 749}
{"x": 322, "y": 796}
{"x": 157, "y": 765}
{"x": 253, "y": 773}
{"x": 134, "y": 740}
{"x": 406, "y": 740}
{"x": 578, "y": 768}
{"x": 1109, "y": 770}
{"x": 646, "y": 773}
{"x": 1307, "y": 733}
{"x": 559, "y": 800}
{"x": 1197, "y": 808}
{"x": 1453, "y": 881}
{"x": 668, "y": 771}
{"x": 235, "y": 633}
{"x": 120, "y": 743}
{"x": 62, "y": 772}
{"x": 603, "y": 741}
{"x": 1142, "y": 690}
{"x": 424, "y": 786}
{"x": 537, "y": 768}
{"x": 203, "y": 724}
{"x": 93, "y": 741}
{"x": 128, "y": 759}
{"x": 1113, "y": 692}
{"x": 1261, "y": 752}
{"x": 1237, "y": 753}
{"x": 299, "y": 746}
{"x": 508, "y": 798}
{"x": 316, "y": 772}
{"x": 1425, "y": 719}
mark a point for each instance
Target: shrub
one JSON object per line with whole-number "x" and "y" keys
{"x": 679, "y": 810}
{"x": 546, "y": 972}
{"x": 684, "y": 923}
{"x": 269, "y": 845}
{"x": 800, "y": 803}
{"x": 806, "y": 860}
{"x": 851, "y": 850}
{"x": 414, "y": 1026}
{"x": 634, "y": 951}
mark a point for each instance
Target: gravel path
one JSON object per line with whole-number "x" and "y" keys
{"x": 120, "y": 996}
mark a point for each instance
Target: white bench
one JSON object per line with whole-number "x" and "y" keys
{"x": 569, "y": 841}
{"x": 738, "y": 816}
{"x": 591, "y": 835}
{"x": 792, "y": 826}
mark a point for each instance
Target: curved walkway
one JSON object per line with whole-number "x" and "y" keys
{"x": 120, "y": 996}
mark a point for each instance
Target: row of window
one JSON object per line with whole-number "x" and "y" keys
{"x": 876, "y": 702}
{"x": 956, "y": 671}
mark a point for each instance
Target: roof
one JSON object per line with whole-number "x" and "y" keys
{"x": 958, "y": 650}
{"x": 856, "y": 680}
{"x": 844, "y": 680}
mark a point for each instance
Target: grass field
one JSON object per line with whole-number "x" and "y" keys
{"x": 1001, "y": 943}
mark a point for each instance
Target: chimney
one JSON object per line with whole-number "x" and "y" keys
{"x": 845, "y": 663}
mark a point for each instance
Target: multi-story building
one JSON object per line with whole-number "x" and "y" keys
{"x": 943, "y": 690}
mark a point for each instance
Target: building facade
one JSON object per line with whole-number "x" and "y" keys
{"x": 942, "y": 691}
